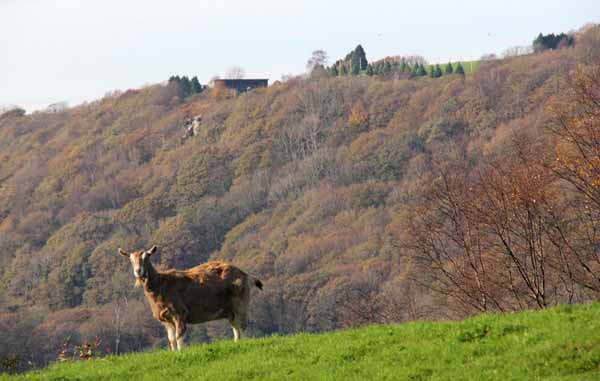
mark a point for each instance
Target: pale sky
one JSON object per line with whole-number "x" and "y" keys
{"x": 78, "y": 50}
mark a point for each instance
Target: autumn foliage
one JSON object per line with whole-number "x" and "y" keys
{"x": 355, "y": 199}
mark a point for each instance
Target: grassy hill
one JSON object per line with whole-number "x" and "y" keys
{"x": 558, "y": 344}
{"x": 317, "y": 185}
{"x": 469, "y": 66}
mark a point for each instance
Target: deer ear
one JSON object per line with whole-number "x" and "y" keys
{"x": 123, "y": 252}
{"x": 152, "y": 250}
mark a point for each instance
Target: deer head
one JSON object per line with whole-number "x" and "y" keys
{"x": 140, "y": 262}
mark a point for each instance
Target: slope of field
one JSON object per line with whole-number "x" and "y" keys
{"x": 470, "y": 67}
{"x": 311, "y": 184}
{"x": 557, "y": 344}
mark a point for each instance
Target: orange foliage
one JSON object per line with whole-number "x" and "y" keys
{"x": 358, "y": 115}
{"x": 276, "y": 182}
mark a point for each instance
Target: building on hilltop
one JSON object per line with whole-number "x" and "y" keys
{"x": 57, "y": 107}
{"x": 239, "y": 85}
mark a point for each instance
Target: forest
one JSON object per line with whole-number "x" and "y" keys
{"x": 356, "y": 199}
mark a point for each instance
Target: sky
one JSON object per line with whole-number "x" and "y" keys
{"x": 79, "y": 50}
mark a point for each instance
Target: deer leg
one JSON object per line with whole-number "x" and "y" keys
{"x": 180, "y": 328}
{"x": 171, "y": 335}
{"x": 238, "y": 324}
{"x": 237, "y": 334}
{"x": 180, "y": 314}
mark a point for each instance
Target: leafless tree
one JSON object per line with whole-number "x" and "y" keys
{"x": 493, "y": 238}
{"x": 489, "y": 57}
{"x": 235, "y": 72}
{"x": 413, "y": 60}
{"x": 318, "y": 58}
{"x": 516, "y": 51}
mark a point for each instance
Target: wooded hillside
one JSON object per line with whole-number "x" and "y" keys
{"x": 355, "y": 199}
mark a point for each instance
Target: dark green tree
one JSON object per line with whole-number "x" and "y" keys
{"x": 196, "y": 86}
{"x": 361, "y": 57}
{"x": 387, "y": 68}
{"x": 448, "y": 69}
{"x": 552, "y": 41}
{"x": 354, "y": 64}
{"x": 438, "y": 71}
{"x": 370, "y": 70}
{"x": 459, "y": 69}
{"x": 185, "y": 85}
{"x": 403, "y": 66}
{"x": 414, "y": 71}
{"x": 421, "y": 72}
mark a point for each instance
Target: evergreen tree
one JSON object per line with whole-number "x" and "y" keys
{"x": 403, "y": 66}
{"x": 448, "y": 69}
{"x": 432, "y": 71}
{"x": 414, "y": 72}
{"x": 370, "y": 70}
{"x": 421, "y": 72}
{"x": 552, "y": 41}
{"x": 196, "y": 86}
{"x": 361, "y": 57}
{"x": 354, "y": 65}
{"x": 538, "y": 43}
{"x": 185, "y": 85}
{"x": 459, "y": 69}
{"x": 438, "y": 71}
{"x": 387, "y": 68}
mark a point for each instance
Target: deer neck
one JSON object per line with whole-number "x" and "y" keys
{"x": 152, "y": 279}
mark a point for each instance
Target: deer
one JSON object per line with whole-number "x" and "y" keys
{"x": 211, "y": 291}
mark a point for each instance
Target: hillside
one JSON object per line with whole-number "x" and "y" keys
{"x": 354, "y": 199}
{"x": 558, "y": 344}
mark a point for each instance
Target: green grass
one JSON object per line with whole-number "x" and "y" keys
{"x": 469, "y": 66}
{"x": 558, "y": 344}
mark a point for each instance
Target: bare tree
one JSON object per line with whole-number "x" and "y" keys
{"x": 318, "y": 58}
{"x": 235, "y": 72}
{"x": 516, "y": 51}
{"x": 576, "y": 127}
{"x": 489, "y": 57}
{"x": 493, "y": 238}
{"x": 413, "y": 60}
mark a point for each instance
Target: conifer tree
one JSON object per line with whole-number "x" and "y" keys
{"x": 414, "y": 71}
{"x": 403, "y": 66}
{"x": 370, "y": 70}
{"x": 354, "y": 66}
{"x": 459, "y": 69}
{"x": 185, "y": 85}
{"x": 438, "y": 71}
{"x": 448, "y": 69}
{"x": 421, "y": 72}
{"x": 196, "y": 86}
{"x": 361, "y": 57}
{"x": 387, "y": 68}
